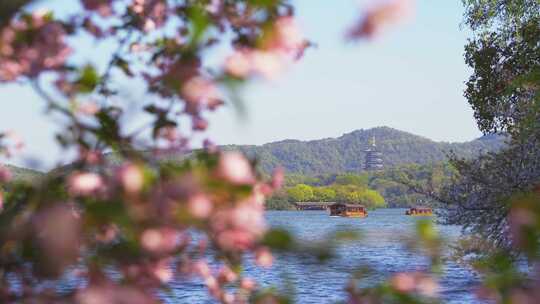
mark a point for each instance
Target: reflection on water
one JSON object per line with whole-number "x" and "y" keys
{"x": 381, "y": 248}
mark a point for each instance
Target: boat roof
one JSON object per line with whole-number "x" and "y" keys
{"x": 419, "y": 207}
{"x": 314, "y": 203}
{"x": 350, "y": 205}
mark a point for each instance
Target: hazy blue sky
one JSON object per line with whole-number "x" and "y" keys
{"x": 411, "y": 79}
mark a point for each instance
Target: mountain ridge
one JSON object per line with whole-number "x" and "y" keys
{"x": 346, "y": 152}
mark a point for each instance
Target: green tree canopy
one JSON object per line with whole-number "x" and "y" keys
{"x": 300, "y": 193}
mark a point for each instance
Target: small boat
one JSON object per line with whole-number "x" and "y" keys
{"x": 348, "y": 210}
{"x": 419, "y": 211}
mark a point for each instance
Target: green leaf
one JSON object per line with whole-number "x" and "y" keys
{"x": 278, "y": 239}
{"x": 88, "y": 79}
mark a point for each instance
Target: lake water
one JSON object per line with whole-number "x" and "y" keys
{"x": 381, "y": 248}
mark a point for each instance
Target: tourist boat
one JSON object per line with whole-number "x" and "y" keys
{"x": 419, "y": 211}
{"x": 348, "y": 210}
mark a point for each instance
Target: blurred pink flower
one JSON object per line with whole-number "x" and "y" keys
{"x": 160, "y": 240}
{"x": 202, "y": 269}
{"x": 381, "y": 15}
{"x": 11, "y": 143}
{"x": 91, "y": 157}
{"x": 239, "y": 228}
{"x": 200, "y": 206}
{"x": 415, "y": 281}
{"x": 58, "y": 232}
{"x": 102, "y": 7}
{"x": 85, "y": 183}
{"x": 88, "y": 108}
{"x": 210, "y": 146}
{"x": 268, "y": 64}
{"x": 213, "y": 287}
{"x": 109, "y": 293}
{"x": 131, "y": 177}
{"x": 235, "y": 168}
{"x": 278, "y": 178}
{"x": 199, "y": 90}
{"x": 427, "y": 286}
{"x": 287, "y": 36}
{"x": 45, "y": 49}
{"x": 247, "y": 284}
{"x": 153, "y": 13}
{"x": 235, "y": 239}
{"x": 214, "y": 6}
{"x": 5, "y": 174}
{"x": 403, "y": 282}
{"x": 199, "y": 123}
{"x": 226, "y": 275}
{"x": 240, "y": 63}
{"x": 263, "y": 257}
{"x": 228, "y": 298}
{"x": 162, "y": 271}
{"x": 107, "y": 233}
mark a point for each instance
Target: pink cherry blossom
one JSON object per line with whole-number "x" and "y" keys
{"x": 58, "y": 233}
{"x": 199, "y": 90}
{"x": 162, "y": 271}
{"x": 240, "y": 63}
{"x": 108, "y": 293}
{"x": 235, "y": 168}
{"x": 200, "y": 206}
{"x": 240, "y": 227}
{"x": 380, "y": 16}
{"x": 214, "y": 6}
{"x": 107, "y": 234}
{"x": 160, "y": 240}
{"x": 415, "y": 282}
{"x": 268, "y": 64}
{"x": 228, "y": 298}
{"x": 403, "y": 282}
{"x": 85, "y": 183}
{"x": 226, "y": 275}
{"x": 263, "y": 257}
{"x": 102, "y": 7}
{"x": 287, "y": 36}
{"x": 202, "y": 269}
{"x": 247, "y": 284}
{"x": 235, "y": 239}
{"x": 87, "y": 108}
{"x": 427, "y": 286}
{"x": 152, "y": 12}
{"x": 131, "y": 177}
{"x": 199, "y": 123}
{"x": 11, "y": 143}
{"x": 43, "y": 50}
{"x": 91, "y": 157}
{"x": 5, "y": 174}
{"x": 213, "y": 287}
{"x": 278, "y": 178}
{"x": 210, "y": 146}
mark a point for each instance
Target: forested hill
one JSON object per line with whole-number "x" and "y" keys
{"x": 24, "y": 174}
{"x": 346, "y": 153}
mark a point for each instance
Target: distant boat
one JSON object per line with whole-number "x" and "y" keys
{"x": 312, "y": 206}
{"x": 348, "y": 210}
{"x": 419, "y": 211}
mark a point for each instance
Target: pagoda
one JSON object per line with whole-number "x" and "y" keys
{"x": 374, "y": 159}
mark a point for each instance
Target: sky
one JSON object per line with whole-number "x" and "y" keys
{"x": 411, "y": 79}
